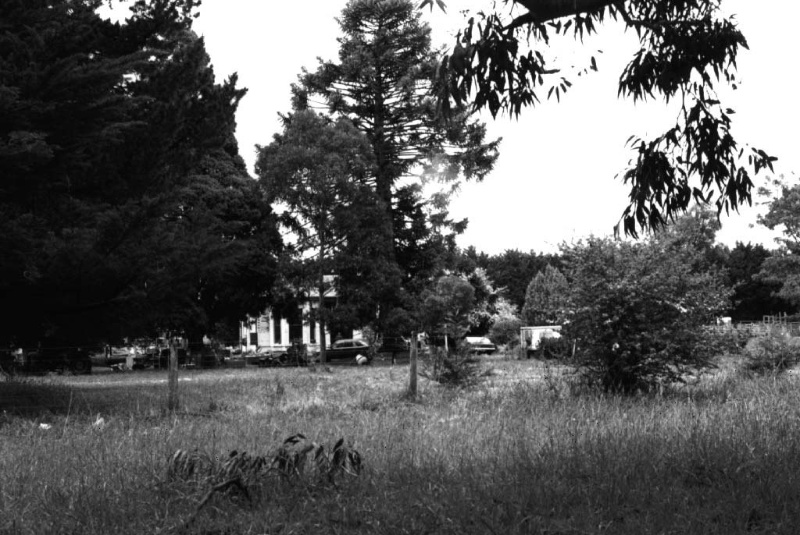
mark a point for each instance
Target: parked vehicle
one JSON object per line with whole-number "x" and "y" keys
{"x": 158, "y": 359}
{"x": 117, "y": 356}
{"x": 348, "y": 349}
{"x": 480, "y": 345}
{"x": 55, "y": 359}
{"x": 295, "y": 355}
{"x": 8, "y": 362}
{"x": 394, "y": 344}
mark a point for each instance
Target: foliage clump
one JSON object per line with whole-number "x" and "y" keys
{"x": 298, "y": 460}
{"x": 554, "y": 347}
{"x": 773, "y": 354}
{"x": 781, "y": 270}
{"x": 546, "y": 298}
{"x": 459, "y": 369}
{"x": 505, "y": 330}
{"x": 640, "y": 310}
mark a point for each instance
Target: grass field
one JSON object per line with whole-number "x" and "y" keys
{"x": 526, "y": 451}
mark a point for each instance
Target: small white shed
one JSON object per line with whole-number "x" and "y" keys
{"x": 531, "y": 337}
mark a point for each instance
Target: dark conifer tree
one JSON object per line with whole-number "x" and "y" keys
{"x": 124, "y": 205}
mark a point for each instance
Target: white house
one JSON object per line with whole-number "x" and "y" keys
{"x": 273, "y": 331}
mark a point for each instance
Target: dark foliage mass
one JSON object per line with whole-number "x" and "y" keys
{"x": 511, "y": 271}
{"x": 124, "y": 205}
{"x": 753, "y": 296}
{"x": 782, "y": 268}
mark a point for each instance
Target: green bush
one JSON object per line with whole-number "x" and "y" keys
{"x": 639, "y": 311}
{"x": 458, "y": 369}
{"x": 554, "y": 348}
{"x": 505, "y": 331}
{"x": 772, "y": 354}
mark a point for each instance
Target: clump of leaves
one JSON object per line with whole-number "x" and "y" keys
{"x": 554, "y": 348}
{"x": 460, "y": 369}
{"x": 202, "y": 469}
{"x": 772, "y": 354}
{"x": 296, "y": 460}
{"x": 300, "y": 459}
{"x": 638, "y": 309}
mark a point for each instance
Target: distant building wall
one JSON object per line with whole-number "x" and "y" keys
{"x": 274, "y": 332}
{"x": 531, "y": 337}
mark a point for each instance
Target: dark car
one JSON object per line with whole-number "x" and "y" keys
{"x": 159, "y": 359}
{"x": 8, "y": 361}
{"x": 394, "y": 344}
{"x": 295, "y": 355}
{"x": 348, "y": 349}
{"x": 57, "y": 359}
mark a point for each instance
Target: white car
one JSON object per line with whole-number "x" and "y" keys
{"x": 480, "y": 345}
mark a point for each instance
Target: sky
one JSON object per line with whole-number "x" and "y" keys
{"x": 555, "y": 178}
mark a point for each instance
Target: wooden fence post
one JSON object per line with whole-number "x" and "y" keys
{"x": 412, "y": 357}
{"x": 172, "y": 382}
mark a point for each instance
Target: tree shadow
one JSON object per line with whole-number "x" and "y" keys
{"x": 33, "y": 398}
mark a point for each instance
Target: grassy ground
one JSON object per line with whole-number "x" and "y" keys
{"x": 524, "y": 452}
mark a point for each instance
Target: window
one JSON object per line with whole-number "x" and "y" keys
{"x": 253, "y": 339}
{"x": 312, "y": 326}
{"x": 276, "y": 328}
{"x": 296, "y": 331}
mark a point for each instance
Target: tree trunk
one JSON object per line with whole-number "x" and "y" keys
{"x": 412, "y": 377}
{"x": 172, "y": 382}
{"x": 321, "y": 299}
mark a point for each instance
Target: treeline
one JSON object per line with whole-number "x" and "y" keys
{"x": 126, "y": 209}
{"x": 755, "y": 293}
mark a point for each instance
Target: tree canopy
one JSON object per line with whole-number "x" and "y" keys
{"x": 124, "y": 204}
{"x": 783, "y": 267}
{"x": 317, "y": 168}
{"x": 753, "y": 296}
{"x": 383, "y": 82}
{"x": 512, "y": 270}
{"x": 686, "y": 49}
{"x": 546, "y": 299}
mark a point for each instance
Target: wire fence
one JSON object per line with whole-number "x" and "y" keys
{"x": 753, "y": 329}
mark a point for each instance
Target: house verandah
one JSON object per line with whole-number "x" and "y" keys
{"x": 276, "y": 332}
{"x": 272, "y": 330}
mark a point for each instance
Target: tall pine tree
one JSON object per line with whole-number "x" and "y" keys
{"x": 383, "y": 83}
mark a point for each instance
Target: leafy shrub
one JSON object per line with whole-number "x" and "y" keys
{"x": 638, "y": 312}
{"x": 291, "y": 460}
{"x": 460, "y": 369}
{"x": 298, "y": 459}
{"x": 546, "y": 299}
{"x": 238, "y": 475}
{"x": 724, "y": 342}
{"x": 771, "y": 354}
{"x": 554, "y": 348}
{"x": 505, "y": 331}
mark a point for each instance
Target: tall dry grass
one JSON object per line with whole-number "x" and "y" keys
{"x": 526, "y": 451}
